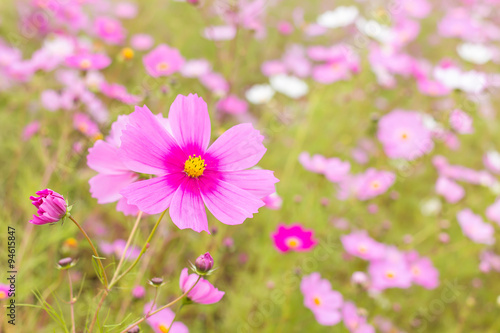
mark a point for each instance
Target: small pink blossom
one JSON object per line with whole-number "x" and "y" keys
{"x": 220, "y": 32}
{"x": 361, "y": 245}
{"x": 215, "y": 82}
{"x": 273, "y": 201}
{"x": 319, "y": 297}
{"x": 493, "y": 212}
{"x": 475, "y": 228}
{"x": 88, "y": 61}
{"x": 163, "y": 61}
{"x": 232, "y": 105}
{"x": 491, "y": 161}
{"x": 138, "y": 292}
{"x": 30, "y": 130}
{"x": 293, "y": 238}
{"x": 4, "y": 291}
{"x": 391, "y": 272}
{"x": 85, "y": 125}
{"x": 204, "y": 292}
{"x": 450, "y": 190}
{"x": 196, "y": 68}
{"x": 141, "y": 42}
{"x": 109, "y": 30}
{"x": 461, "y": 122}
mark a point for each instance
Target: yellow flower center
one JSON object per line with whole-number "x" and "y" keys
{"x": 404, "y": 136}
{"x": 292, "y": 242}
{"x": 163, "y": 328}
{"x": 71, "y": 242}
{"x": 415, "y": 271}
{"x": 390, "y": 275}
{"x": 162, "y": 66}
{"x": 362, "y": 249}
{"x": 194, "y": 166}
{"x": 317, "y": 300}
{"x": 3, "y": 295}
{"x": 85, "y": 63}
{"x": 127, "y": 53}
{"x": 375, "y": 184}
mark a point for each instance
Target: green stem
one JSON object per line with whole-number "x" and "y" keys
{"x": 142, "y": 251}
{"x": 96, "y": 255}
{"x": 175, "y": 315}
{"x": 162, "y": 308}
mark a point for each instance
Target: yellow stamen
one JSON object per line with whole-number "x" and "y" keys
{"x": 194, "y": 166}
{"x": 162, "y": 66}
{"x": 317, "y": 300}
{"x": 85, "y": 64}
{"x": 390, "y": 275}
{"x": 3, "y": 295}
{"x": 362, "y": 249}
{"x": 292, "y": 242}
{"x": 127, "y": 53}
{"x": 163, "y": 328}
{"x": 404, "y": 136}
{"x": 415, "y": 271}
{"x": 375, "y": 184}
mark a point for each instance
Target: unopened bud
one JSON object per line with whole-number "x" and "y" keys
{"x": 204, "y": 263}
{"x": 156, "y": 282}
{"x": 65, "y": 262}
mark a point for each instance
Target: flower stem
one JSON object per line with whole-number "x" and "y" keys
{"x": 154, "y": 301}
{"x": 91, "y": 327}
{"x": 175, "y": 315}
{"x": 142, "y": 251}
{"x": 96, "y": 255}
{"x": 162, "y": 308}
{"x": 71, "y": 303}
{"x": 122, "y": 258}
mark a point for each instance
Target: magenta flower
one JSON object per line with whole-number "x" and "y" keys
{"x": 30, "y": 130}
{"x": 422, "y": 271}
{"x": 109, "y": 30}
{"x": 475, "y": 228}
{"x": 4, "y": 291}
{"x": 88, "y": 61}
{"x": 403, "y": 135}
{"x": 51, "y": 207}
{"x": 319, "y": 297}
{"x": 293, "y": 238}
{"x": 204, "y": 292}
{"x": 138, "y": 291}
{"x": 191, "y": 175}
{"x": 163, "y": 61}
{"x": 161, "y": 321}
{"x": 361, "y": 245}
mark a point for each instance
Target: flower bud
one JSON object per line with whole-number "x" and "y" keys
{"x": 51, "y": 207}
{"x": 156, "y": 282}
{"x": 65, "y": 263}
{"x": 134, "y": 329}
{"x": 204, "y": 263}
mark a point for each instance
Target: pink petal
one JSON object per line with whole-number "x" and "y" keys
{"x": 228, "y": 203}
{"x": 190, "y": 123}
{"x": 154, "y": 195}
{"x": 187, "y": 209}
{"x": 106, "y": 188}
{"x": 238, "y": 148}
{"x": 258, "y": 182}
{"x": 147, "y": 147}
{"x": 104, "y": 157}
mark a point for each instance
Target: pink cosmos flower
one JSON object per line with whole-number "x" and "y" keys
{"x": 422, "y": 271}
{"x": 163, "y": 61}
{"x": 273, "y": 67}
{"x": 30, "y": 130}
{"x": 118, "y": 92}
{"x": 196, "y": 68}
{"x": 475, "y": 228}
{"x": 416, "y": 8}
{"x": 220, "y": 32}
{"x": 232, "y": 105}
{"x": 285, "y": 28}
{"x": 403, "y": 135}
{"x": 461, "y": 122}
{"x": 316, "y": 163}
{"x": 373, "y": 183}
{"x": 127, "y": 10}
{"x": 50, "y": 100}
{"x": 361, "y": 245}
{"x": 391, "y": 272}
{"x": 88, "y": 61}
{"x": 191, "y": 176}
{"x": 353, "y": 320}
{"x": 51, "y": 207}
{"x": 319, "y": 297}
{"x": 489, "y": 261}
{"x": 204, "y": 292}
{"x": 273, "y": 201}
{"x": 4, "y": 291}
{"x": 293, "y": 238}
{"x": 331, "y": 72}
{"x": 141, "y": 42}
{"x": 450, "y": 190}
{"x": 139, "y": 292}
{"x": 113, "y": 175}
{"x": 84, "y": 124}
{"x": 109, "y": 30}
{"x": 432, "y": 88}
{"x": 215, "y": 82}
{"x": 160, "y": 322}
{"x": 117, "y": 248}
{"x": 493, "y": 212}
{"x": 336, "y": 169}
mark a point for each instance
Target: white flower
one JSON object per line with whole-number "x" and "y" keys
{"x": 375, "y": 30}
{"x": 59, "y": 46}
{"x": 259, "y": 94}
{"x": 340, "y": 17}
{"x": 220, "y": 32}
{"x": 453, "y": 78}
{"x": 476, "y": 53}
{"x": 291, "y": 86}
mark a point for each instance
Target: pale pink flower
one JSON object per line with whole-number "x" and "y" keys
{"x": 30, "y": 130}
{"x": 163, "y": 61}
{"x": 204, "y": 292}
{"x": 109, "y": 30}
{"x": 461, "y": 122}
{"x": 196, "y": 68}
{"x": 361, "y": 245}
{"x": 319, "y": 297}
{"x": 450, "y": 190}
{"x": 141, "y": 42}
{"x": 422, "y": 271}
{"x": 475, "y": 228}
{"x": 493, "y": 211}
{"x": 85, "y": 125}
{"x": 391, "y": 272}
{"x": 232, "y": 105}
{"x": 88, "y": 61}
